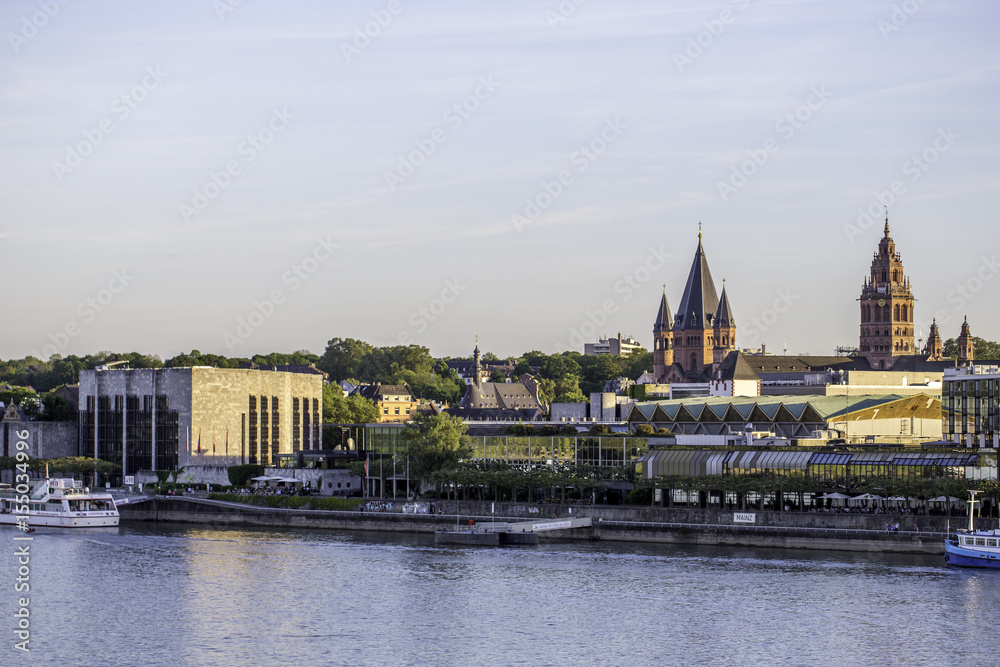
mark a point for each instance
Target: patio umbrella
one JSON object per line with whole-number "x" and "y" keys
{"x": 837, "y": 498}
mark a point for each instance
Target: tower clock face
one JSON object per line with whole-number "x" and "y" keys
{"x": 881, "y": 302}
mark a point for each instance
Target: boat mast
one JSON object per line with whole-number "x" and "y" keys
{"x": 972, "y": 508}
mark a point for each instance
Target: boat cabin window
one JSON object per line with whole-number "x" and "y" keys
{"x": 992, "y": 543}
{"x": 980, "y": 542}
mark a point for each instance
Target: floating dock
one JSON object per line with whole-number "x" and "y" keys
{"x": 484, "y": 538}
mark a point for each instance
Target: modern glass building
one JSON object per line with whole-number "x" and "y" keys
{"x": 526, "y": 451}
{"x": 970, "y": 405}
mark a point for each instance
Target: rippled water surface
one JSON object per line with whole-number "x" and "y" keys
{"x": 161, "y": 595}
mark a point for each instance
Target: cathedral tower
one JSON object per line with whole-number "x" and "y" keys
{"x": 694, "y": 323}
{"x": 934, "y": 348}
{"x": 663, "y": 340}
{"x": 724, "y": 330}
{"x": 477, "y": 368}
{"x": 965, "y": 345}
{"x": 886, "y": 307}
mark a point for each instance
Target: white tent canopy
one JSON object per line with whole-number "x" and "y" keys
{"x": 943, "y": 499}
{"x": 834, "y": 496}
{"x": 868, "y": 496}
{"x": 265, "y": 479}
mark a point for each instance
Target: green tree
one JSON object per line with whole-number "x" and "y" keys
{"x": 982, "y": 349}
{"x": 16, "y": 395}
{"x": 567, "y": 390}
{"x": 344, "y": 358}
{"x": 435, "y": 442}
{"x": 557, "y": 367}
{"x": 338, "y": 409}
{"x": 638, "y": 362}
{"x": 498, "y": 377}
{"x": 56, "y": 409}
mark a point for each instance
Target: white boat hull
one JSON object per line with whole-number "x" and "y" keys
{"x": 60, "y": 520}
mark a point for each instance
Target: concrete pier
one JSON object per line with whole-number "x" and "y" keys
{"x": 793, "y": 530}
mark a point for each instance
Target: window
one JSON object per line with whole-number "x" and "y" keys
{"x": 397, "y": 410}
{"x": 385, "y": 410}
{"x": 253, "y": 430}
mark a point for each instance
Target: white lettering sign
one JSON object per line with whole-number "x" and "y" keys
{"x": 552, "y": 525}
{"x": 744, "y": 517}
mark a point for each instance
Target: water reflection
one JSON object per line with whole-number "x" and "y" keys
{"x": 168, "y": 595}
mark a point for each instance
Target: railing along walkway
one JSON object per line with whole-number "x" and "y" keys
{"x": 769, "y": 529}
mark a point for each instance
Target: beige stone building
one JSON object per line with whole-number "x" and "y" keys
{"x": 166, "y": 418}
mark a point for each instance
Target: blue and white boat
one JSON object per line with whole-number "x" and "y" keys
{"x": 972, "y": 548}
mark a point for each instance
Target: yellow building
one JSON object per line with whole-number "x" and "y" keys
{"x": 395, "y": 402}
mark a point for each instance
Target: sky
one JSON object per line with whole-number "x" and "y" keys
{"x": 243, "y": 177}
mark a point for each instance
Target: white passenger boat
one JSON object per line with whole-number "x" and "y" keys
{"x": 64, "y": 503}
{"x": 973, "y": 548}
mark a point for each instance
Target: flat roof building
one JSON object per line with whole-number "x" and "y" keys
{"x": 148, "y": 419}
{"x": 970, "y": 405}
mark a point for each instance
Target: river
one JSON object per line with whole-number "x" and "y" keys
{"x": 176, "y": 594}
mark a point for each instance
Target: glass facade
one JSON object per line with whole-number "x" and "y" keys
{"x": 971, "y": 407}
{"x": 253, "y": 436}
{"x": 130, "y": 431}
{"x": 265, "y": 431}
{"x": 525, "y": 451}
{"x": 296, "y": 426}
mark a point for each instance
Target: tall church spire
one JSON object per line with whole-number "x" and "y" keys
{"x": 886, "y": 307}
{"x": 694, "y": 334}
{"x": 934, "y": 348}
{"x": 664, "y": 320}
{"x": 477, "y": 368}
{"x": 663, "y": 340}
{"x": 700, "y": 300}
{"x": 965, "y": 343}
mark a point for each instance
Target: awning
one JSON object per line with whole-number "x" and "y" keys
{"x": 830, "y": 459}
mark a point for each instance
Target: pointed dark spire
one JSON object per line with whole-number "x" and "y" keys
{"x": 887, "y": 222}
{"x": 664, "y": 320}
{"x": 724, "y": 316}
{"x": 700, "y": 300}
{"x": 476, "y": 366}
